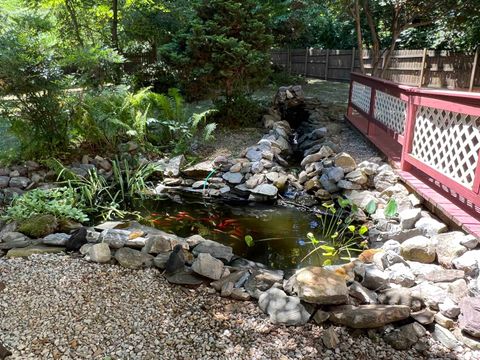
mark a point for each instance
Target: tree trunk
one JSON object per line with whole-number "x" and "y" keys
{"x": 358, "y": 26}
{"x": 73, "y": 17}
{"x": 115, "y": 25}
{"x": 376, "y": 55}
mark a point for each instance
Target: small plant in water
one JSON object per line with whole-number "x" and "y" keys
{"x": 337, "y": 235}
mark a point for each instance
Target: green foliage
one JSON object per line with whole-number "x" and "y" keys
{"x": 59, "y": 202}
{"x": 108, "y": 198}
{"x": 249, "y": 240}
{"x": 31, "y": 74}
{"x": 338, "y": 235}
{"x": 93, "y": 66}
{"x": 238, "y": 111}
{"x": 225, "y": 51}
{"x": 114, "y": 115}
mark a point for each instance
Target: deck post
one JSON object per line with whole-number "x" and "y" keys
{"x": 474, "y": 69}
{"x": 411, "y": 115}
{"x": 349, "y": 107}
{"x": 371, "y": 113}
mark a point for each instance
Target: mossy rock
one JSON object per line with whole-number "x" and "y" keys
{"x": 39, "y": 226}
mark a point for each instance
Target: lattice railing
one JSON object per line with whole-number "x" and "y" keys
{"x": 361, "y": 95}
{"x": 431, "y": 132}
{"x": 390, "y": 111}
{"x": 448, "y": 141}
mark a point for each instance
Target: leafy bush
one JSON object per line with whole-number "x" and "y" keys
{"x": 59, "y": 202}
{"x": 337, "y": 235}
{"x": 108, "y": 198}
{"x": 225, "y": 49}
{"x": 31, "y": 74}
{"x": 239, "y": 111}
{"x": 93, "y": 66}
{"x": 113, "y": 115}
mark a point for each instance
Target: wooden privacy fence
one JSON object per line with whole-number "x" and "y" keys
{"x": 428, "y": 68}
{"x": 432, "y": 134}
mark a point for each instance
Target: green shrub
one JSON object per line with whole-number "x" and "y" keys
{"x": 112, "y": 198}
{"x": 114, "y": 115}
{"x": 59, "y": 202}
{"x": 239, "y": 111}
{"x": 30, "y": 73}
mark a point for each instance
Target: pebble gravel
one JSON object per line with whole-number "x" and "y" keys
{"x": 61, "y": 307}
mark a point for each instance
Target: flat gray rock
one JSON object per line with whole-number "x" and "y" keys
{"x": 369, "y": 316}
{"x": 217, "y": 250}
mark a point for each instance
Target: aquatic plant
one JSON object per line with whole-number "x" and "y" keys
{"x": 337, "y": 235}
{"x": 111, "y": 198}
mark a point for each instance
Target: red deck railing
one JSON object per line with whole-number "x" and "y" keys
{"x": 432, "y": 134}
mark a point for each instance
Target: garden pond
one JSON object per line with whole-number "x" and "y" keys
{"x": 279, "y": 233}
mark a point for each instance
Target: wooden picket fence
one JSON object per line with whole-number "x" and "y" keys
{"x": 422, "y": 68}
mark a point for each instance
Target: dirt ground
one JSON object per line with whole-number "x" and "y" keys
{"x": 331, "y": 96}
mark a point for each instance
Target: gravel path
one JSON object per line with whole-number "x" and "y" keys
{"x": 59, "y": 307}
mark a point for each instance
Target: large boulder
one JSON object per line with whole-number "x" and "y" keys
{"x": 283, "y": 309}
{"x": 133, "y": 259}
{"x": 319, "y": 286}
{"x": 200, "y": 170}
{"x": 217, "y": 250}
{"x": 468, "y": 262}
{"x": 430, "y": 226}
{"x": 206, "y": 265}
{"x": 405, "y": 336}
{"x": 100, "y": 253}
{"x": 418, "y": 248}
{"x": 160, "y": 242}
{"x": 369, "y": 316}
{"x": 345, "y": 161}
{"x": 469, "y": 320}
{"x": 449, "y": 247}
{"x": 39, "y": 226}
{"x": 115, "y": 238}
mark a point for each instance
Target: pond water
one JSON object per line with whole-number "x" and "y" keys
{"x": 279, "y": 233}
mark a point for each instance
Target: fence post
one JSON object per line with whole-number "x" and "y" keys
{"x": 352, "y": 66}
{"x": 474, "y": 69}
{"x": 422, "y": 68}
{"x": 326, "y": 65}
{"x": 306, "y": 62}
{"x": 409, "y": 132}
{"x": 289, "y": 60}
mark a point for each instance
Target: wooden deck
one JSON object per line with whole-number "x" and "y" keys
{"x": 451, "y": 208}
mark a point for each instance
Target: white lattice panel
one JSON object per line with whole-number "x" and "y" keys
{"x": 361, "y": 96}
{"x": 449, "y": 142}
{"x": 390, "y": 111}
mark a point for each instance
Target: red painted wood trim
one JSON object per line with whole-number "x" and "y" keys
{"x": 448, "y": 104}
{"x": 445, "y": 180}
{"x": 409, "y": 132}
{"x": 476, "y": 179}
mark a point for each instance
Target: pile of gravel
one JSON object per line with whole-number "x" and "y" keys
{"x": 59, "y": 307}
